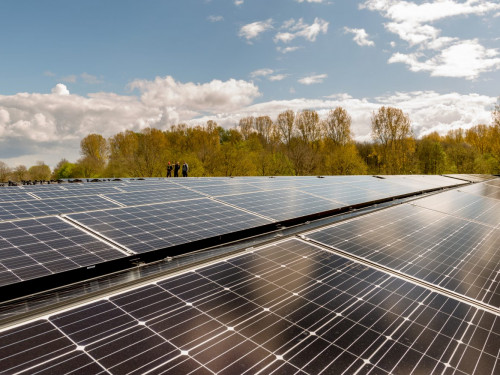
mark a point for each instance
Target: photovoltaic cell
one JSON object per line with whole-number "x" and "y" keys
{"x": 343, "y": 193}
{"x": 154, "y": 196}
{"x": 484, "y": 189}
{"x": 286, "y": 308}
{"x": 465, "y": 205}
{"x": 281, "y": 204}
{"x": 229, "y": 189}
{"x": 11, "y": 196}
{"x": 159, "y": 226}
{"x": 76, "y": 191}
{"x": 56, "y": 206}
{"x": 456, "y": 254}
{"x": 34, "y": 248}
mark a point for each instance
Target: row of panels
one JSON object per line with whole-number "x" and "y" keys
{"x": 47, "y": 200}
{"x": 451, "y": 240}
{"x": 287, "y": 308}
{"x": 152, "y": 226}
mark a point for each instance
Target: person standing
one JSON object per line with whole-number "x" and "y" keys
{"x": 185, "y": 169}
{"x": 169, "y": 170}
{"x": 176, "y": 169}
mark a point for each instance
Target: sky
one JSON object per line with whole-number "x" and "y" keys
{"x": 71, "y": 68}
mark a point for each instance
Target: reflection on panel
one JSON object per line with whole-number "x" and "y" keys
{"x": 286, "y": 308}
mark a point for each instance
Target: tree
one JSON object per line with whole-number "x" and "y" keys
{"x": 64, "y": 169}
{"x": 308, "y": 125}
{"x": 151, "y": 153}
{"x": 246, "y": 125}
{"x": 430, "y": 154}
{"x": 477, "y": 137}
{"x": 337, "y": 126}
{"x": 40, "y": 171}
{"x": 496, "y": 114}
{"x": 394, "y": 142}
{"x": 286, "y": 126}
{"x": 123, "y": 150}
{"x": 264, "y": 127}
{"x": 94, "y": 151}
{"x": 20, "y": 173}
{"x": 4, "y": 172}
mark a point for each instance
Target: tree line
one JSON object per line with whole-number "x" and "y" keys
{"x": 292, "y": 144}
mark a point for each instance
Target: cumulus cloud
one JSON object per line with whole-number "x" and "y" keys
{"x": 50, "y": 126}
{"x": 429, "y": 111}
{"x": 310, "y": 80}
{"x": 278, "y": 77}
{"x": 446, "y": 56}
{"x": 466, "y": 59}
{"x": 60, "y": 89}
{"x": 261, "y": 72}
{"x": 293, "y": 29}
{"x": 238, "y": 2}
{"x": 252, "y": 30}
{"x": 361, "y": 37}
{"x": 287, "y": 49}
{"x": 194, "y": 97}
{"x": 309, "y": 1}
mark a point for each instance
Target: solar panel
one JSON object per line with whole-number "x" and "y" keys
{"x": 456, "y": 254}
{"x": 10, "y": 196}
{"x": 34, "y": 248}
{"x": 154, "y": 196}
{"x": 158, "y": 226}
{"x": 78, "y": 190}
{"x": 283, "y": 204}
{"x": 468, "y": 206}
{"x": 286, "y": 308}
{"x": 485, "y": 189}
{"x": 343, "y": 193}
{"x": 229, "y": 189}
{"x": 55, "y": 206}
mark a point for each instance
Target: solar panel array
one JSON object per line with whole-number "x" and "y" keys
{"x": 413, "y": 288}
{"x": 286, "y": 308}
{"x": 154, "y": 214}
{"x": 451, "y": 240}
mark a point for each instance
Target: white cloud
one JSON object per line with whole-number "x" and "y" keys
{"x": 429, "y": 111}
{"x": 465, "y": 59}
{"x": 310, "y": 1}
{"x": 60, "y": 89}
{"x": 238, "y": 2}
{"x": 50, "y": 126}
{"x": 278, "y": 77}
{"x": 261, "y": 72}
{"x": 215, "y": 18}
{"x": 445, "y": 56}
{"x": 48, "y": 73}
{"x": 405, "y": 11}
{"x": 252, "y": 30}
{"x": 360, "y": 36}
{"x": 294, "y": 29}
{"x": 310, "y": 80}
{"x": 287, "y": 49}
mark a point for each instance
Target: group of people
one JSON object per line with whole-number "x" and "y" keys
{"x": 176, "y": 168}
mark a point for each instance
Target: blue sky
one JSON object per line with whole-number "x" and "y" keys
{"x": 69, "y": 68}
